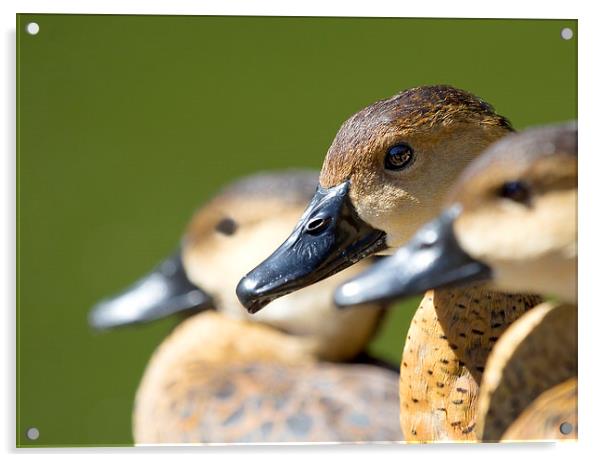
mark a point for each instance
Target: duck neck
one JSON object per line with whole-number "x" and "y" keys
{"x": 444, "y": 357}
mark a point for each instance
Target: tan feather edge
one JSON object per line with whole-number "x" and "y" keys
{"x": 538, "y": 352}
{"x": 543, "y": 419}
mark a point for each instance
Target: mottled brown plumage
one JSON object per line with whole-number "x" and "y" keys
{"x": 220, "y": 380}
{"x": 551, "y": 416}
{"x": 446, "y": 349}
{"x": 536, "y": 353}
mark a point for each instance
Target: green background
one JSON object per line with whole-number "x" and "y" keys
{"x": 127, "y": 123}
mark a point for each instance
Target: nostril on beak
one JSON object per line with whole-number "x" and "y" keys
{"x": 428, "y": 240}
{"x": 426, "y": 245}
{"x": 317, "y": 225}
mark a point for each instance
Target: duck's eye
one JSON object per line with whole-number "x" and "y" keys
{"x": 516, "y": 191}
{"x": 226, "y": 226}
{"x": 399, "y": 157}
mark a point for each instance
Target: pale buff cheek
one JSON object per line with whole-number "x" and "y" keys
{"x": 506, "y": 231}
{"x": 395, "y": 212}
{"x": 529, "y": 249}
{"x": 310, "y": 312}
{"x": 219, "y": 262}
{"x": 552, "y": 274}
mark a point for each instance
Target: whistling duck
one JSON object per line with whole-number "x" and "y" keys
{"x": 291, "y": 374}
{"x": 512, "y": 220}
{"x": 386, "y": 173}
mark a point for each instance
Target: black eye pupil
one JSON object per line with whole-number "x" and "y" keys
{"x": 399, "y": 157}
{"x": 516, "y": 191}
{"x": 227, "y": 226}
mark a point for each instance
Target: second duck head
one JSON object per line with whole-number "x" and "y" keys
{"x": 511, "y": 221}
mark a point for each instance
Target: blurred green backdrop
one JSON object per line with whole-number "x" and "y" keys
{"x": 127, "y": 123}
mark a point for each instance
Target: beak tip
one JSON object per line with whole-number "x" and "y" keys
{"x": 246, "y": 291}
{"x": 98, "y": 319}
{"x": 347, "y": 294}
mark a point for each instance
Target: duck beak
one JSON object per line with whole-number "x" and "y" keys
{"x": 161, "y": 293}
{"x": 329, "y": 237}
{"x": 432, "y": 259}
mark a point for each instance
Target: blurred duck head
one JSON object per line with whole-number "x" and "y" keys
{"x": 236, "y": 230}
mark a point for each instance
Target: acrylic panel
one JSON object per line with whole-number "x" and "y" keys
{"x": 126, "y": 125}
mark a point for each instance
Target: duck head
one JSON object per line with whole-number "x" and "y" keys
{"x": 511, "y": 220}
{"x": 236, "y": 230}
{"x": 385, "y": 174}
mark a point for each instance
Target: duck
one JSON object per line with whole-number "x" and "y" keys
{"x": 297, "y": 373}
{"x": 511, "y": 221}
{"x": 387, "y": 173}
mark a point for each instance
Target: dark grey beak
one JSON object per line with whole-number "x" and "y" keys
{"x": 432, "y": 259}
{"x": 329, "y": 237}
{"x": 161, "y": 293}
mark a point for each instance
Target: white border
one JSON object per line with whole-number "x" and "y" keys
{"x": 590, "y": 84}
{"x": 425, "y": 8}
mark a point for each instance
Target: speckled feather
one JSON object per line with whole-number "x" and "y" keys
{"x": 235, "y": 381}
{"x": 444, "y": 357}
{"x": 538, "y": 352}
